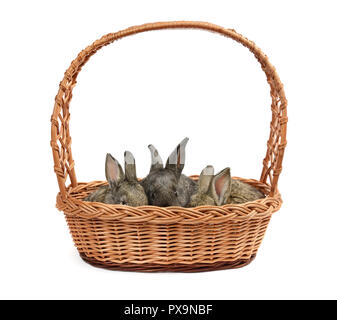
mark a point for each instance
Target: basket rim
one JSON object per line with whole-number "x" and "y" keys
{"x": 74, "y": 205}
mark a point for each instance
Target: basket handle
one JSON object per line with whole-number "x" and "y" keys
{"x": 60, "y": 135}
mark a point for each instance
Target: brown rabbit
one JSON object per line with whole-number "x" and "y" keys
{"x": 222, "y": 189}
{"x": 122, "y": 189}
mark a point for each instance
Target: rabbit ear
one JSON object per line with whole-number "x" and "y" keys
{"x": 113, "y": 170}
{"x": 205, "y": 179}
{"x": 130, "y": 166}
{"x": 176, "y": 160}
{"x": 156, "y": 161}
{"x": 221, "y": 186}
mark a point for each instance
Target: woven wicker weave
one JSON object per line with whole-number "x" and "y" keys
{"x": 152, "y": 238}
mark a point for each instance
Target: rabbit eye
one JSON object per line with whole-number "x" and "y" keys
{"x": 176, "y": 193}
{"x": 123, "y": 202}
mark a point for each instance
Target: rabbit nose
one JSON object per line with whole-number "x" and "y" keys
{"x": 164, "y": 204}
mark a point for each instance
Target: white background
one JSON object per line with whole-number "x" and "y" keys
{"x": 158, "y": 88}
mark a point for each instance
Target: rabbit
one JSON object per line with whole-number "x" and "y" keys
{"x": 204, "y": 194}
{"x": 123, "y": 188}
{"x": 168, "y": 186}
{"x": 222, "y": 189}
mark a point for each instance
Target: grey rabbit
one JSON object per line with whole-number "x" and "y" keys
{"x": 168, "y": 186}
{"x": 122, "y": 188}
{"x": 221, "y": 189}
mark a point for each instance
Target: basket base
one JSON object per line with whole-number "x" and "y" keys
{"x": 178, "y": 267}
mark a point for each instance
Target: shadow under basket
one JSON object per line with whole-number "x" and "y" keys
{"x": 174, "y": 239}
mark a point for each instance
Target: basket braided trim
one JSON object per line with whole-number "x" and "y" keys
{"x": 60, "y": 134}
{"x": 73, "y": 205}
{"x": 176, "y": 267}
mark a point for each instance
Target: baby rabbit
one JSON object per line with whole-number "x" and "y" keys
{"x": 206, "y": 194}
{"x": 122, "y": 189}
{"x": 221, "y": 189}
{"x": 167, "y": 186}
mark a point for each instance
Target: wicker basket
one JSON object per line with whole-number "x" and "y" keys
{"x": 150, "y": 238}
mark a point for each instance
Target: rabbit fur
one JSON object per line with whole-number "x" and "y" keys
{"x": 221, "y": 189}
{"x": 168, "y": 186}
{"x": 122, "y": 188}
